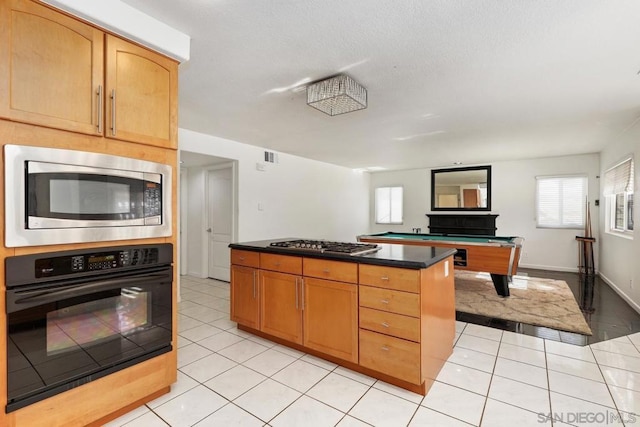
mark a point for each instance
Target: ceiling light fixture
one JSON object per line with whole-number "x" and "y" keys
{"x": 337, "y": 95}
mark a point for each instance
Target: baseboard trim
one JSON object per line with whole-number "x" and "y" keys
{"x": 549, "y": 267}
{"x": 620, "y": 292}
{"x": 197, "y": 274}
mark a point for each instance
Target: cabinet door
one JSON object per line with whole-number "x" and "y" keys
{"x": 281, "y": 305}
{"x": 51, "y": 68}
{"x": 245, "y": 297}
{"x": 141, "y": 89}
{"x": 331, "y": 318}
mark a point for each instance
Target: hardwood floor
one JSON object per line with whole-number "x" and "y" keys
{"x": 608, "y": 315}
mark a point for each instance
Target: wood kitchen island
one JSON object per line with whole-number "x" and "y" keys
{"x": 389, "y": 314}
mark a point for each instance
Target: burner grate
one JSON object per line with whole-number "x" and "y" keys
{"x": 325, "y": 246}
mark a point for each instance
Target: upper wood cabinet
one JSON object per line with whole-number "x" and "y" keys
{"x": 51, "y": 68}
{"x": 141, "y": 88}
{"x": 58, "y": 72}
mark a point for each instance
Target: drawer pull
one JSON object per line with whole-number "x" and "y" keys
{"x": 385, "y": 324}
{"x": 277, "y": 264}
{"x": 384, "y": 348}
{"x": 325, "y": 270}
{"x": 384, "y": 278}
{"x": 384, "y": 301}
{"x": 241, "y": 258}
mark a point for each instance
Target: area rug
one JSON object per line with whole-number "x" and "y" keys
{"x": 536, "y": 301}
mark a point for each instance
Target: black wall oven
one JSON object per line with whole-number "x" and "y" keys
{"x": 76, "y": 316}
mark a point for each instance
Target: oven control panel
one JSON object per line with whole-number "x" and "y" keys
{"x": 95, "y": 261}
{"x": 54, "y": 266}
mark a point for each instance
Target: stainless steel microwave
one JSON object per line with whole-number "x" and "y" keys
{"x": 55, "y": 196}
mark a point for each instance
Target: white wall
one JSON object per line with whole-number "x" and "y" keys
{"x": 196, "y": 239}
{"x": 299, "y": 197}
{"x": 416, "y": 196}
{"x": 513, "y": 199}
{"x": 619, "y": 264}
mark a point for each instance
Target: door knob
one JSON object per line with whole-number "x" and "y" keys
{"x": 209, "y": 230}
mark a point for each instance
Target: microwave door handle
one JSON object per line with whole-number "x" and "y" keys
{"x": 42, "y": 297}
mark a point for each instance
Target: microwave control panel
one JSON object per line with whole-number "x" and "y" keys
{"x": 152, "y": 199}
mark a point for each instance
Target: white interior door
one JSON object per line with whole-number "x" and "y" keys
{"x": 219, "y": 221}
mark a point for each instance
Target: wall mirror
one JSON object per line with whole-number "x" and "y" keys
{"x": 461, "y": 189}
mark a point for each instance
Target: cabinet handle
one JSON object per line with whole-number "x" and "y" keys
{"x": 385, "y": 324}
{"x": 384, "y": 348}
{"x": 241, "y": 258}
{"x": 254, "y": 284}
{"x": 113, "y": 112}
{"x": 277, "y": 264}
{"x": 302, "y": 292}
{"x": 384, "y": 278}
{"x": 100, "y": 100}
{"x": 297, "y": 305}
{"x": 325, "y": 270}
{"x": 384, "y": 301}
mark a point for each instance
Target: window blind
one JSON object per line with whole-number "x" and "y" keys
{"x": 619, "y": 179}
{"x": 561, "y": 201}
{"x": 389, "y": 205}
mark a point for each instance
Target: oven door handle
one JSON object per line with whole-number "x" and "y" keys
{"x": 19, "y": 300}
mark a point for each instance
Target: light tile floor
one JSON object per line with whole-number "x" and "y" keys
{"x": 494, "y": 378}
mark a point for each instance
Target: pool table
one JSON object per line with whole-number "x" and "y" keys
{"x": 498, "y": 256}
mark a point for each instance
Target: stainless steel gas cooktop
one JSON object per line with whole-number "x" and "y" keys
{"x": 325, "y": 246}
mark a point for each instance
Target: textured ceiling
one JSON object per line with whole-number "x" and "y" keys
{"x": 470, "y": 81}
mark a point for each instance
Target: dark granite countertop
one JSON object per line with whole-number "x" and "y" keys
{"x": 391, "y": 255}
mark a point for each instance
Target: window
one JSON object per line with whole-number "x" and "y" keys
{"x": 618, "y": 191}
{"x": 388, "y": 205}
{"x": 561, "y": 201}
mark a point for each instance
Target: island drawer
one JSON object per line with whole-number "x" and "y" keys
{"x": 331, "y": 270}
{"x": 246, "y": 258}
{"x": 392, "y": 301}
{"x": 281, "y": 263}
{"x": 392, "y": 356}
{"x": 392, "y": 324}
{"x": 400, "y": 279}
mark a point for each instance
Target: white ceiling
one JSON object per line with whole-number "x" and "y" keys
{"x": 469, "y": 81}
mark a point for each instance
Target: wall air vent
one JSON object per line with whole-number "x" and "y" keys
{"x": 270, "y": 157}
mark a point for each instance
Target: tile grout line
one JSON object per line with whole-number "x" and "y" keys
{"x": 546, "y": 363}
{"x": 615, "y": 404}
{"x": 486, "y": 397}
{"x": 301, "y": 394}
